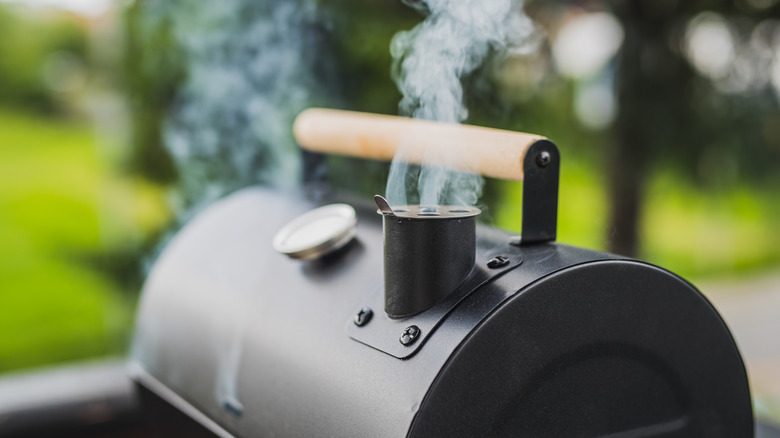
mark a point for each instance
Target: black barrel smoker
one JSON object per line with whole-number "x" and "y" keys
{"x": 344, "y": 330}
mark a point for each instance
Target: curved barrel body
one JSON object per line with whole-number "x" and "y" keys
{"x": 560, "y": 341}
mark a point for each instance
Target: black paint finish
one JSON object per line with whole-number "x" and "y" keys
{"x": 570, "y": 342}
{"x": 541, "y": 169}
{"x": 610, "y": 348}
{"x": 425, "y": 259}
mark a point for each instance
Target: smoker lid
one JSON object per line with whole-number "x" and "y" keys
{"x": 317, "y": 232}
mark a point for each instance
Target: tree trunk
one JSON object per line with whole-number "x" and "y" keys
{"x": 627, "y": 155}
{"x": 652, "y": 83}
{"x": 626, "y": 177}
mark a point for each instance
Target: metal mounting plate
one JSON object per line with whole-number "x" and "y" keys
{"x": 383, "y": 333}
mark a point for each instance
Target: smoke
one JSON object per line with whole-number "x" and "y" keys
{"x": 251, "y": 67}
{"x": 429, "y": 63}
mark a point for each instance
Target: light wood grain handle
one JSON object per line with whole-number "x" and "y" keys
{"x": 491, "y": 152}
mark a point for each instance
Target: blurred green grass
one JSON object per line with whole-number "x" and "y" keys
{"x": 54, "y": 215}
{"x": 693, "y": 232}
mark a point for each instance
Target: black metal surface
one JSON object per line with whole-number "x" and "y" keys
{"x": 228, "y": 322}
{"x": 569, "y": 342}
{"x": 383, "y": 331}
{"x": 541, "y": 168}
{"x": 610, "y": 348}
{"x": 425, "y": 259}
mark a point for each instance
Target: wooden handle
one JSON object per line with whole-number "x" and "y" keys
{"x": 491, "y": 152}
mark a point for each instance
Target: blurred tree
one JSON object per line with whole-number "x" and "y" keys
{"x": 37, "y": 54}
{"x": 154, "y": 71}
{"x": 355, "y": 35}
{"x": 360, "y": 34}
{"x": 654, "y": 120}
{"x": 671, "y": 114}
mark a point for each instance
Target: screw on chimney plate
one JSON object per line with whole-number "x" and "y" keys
{"x": 543, "y": 159}
{"x": 498, "y": 261}
{"x": 363, "y": 316}
{"x": 410, "y": 335}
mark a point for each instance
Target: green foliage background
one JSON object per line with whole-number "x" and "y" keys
{"x": 77, "y": 221}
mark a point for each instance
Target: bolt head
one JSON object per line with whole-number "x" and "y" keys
{"x": 410, "y": 335}
{"x": 543, "y": 159}
{"x": 498, "y": 261}
{"x": 363, "y": 316}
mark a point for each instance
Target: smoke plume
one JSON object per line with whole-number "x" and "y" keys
{"x": 429, "y": 63}
{"x": 251, "y": 67}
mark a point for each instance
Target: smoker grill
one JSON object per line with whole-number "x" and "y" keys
{"x": 537, "y": 339}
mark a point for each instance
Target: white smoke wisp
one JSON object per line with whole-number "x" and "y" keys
{"x": 429, "y": 63}
{"x": 251, "y": 67}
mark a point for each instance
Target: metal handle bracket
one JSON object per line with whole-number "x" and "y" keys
{"x": 541, "y": 168}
